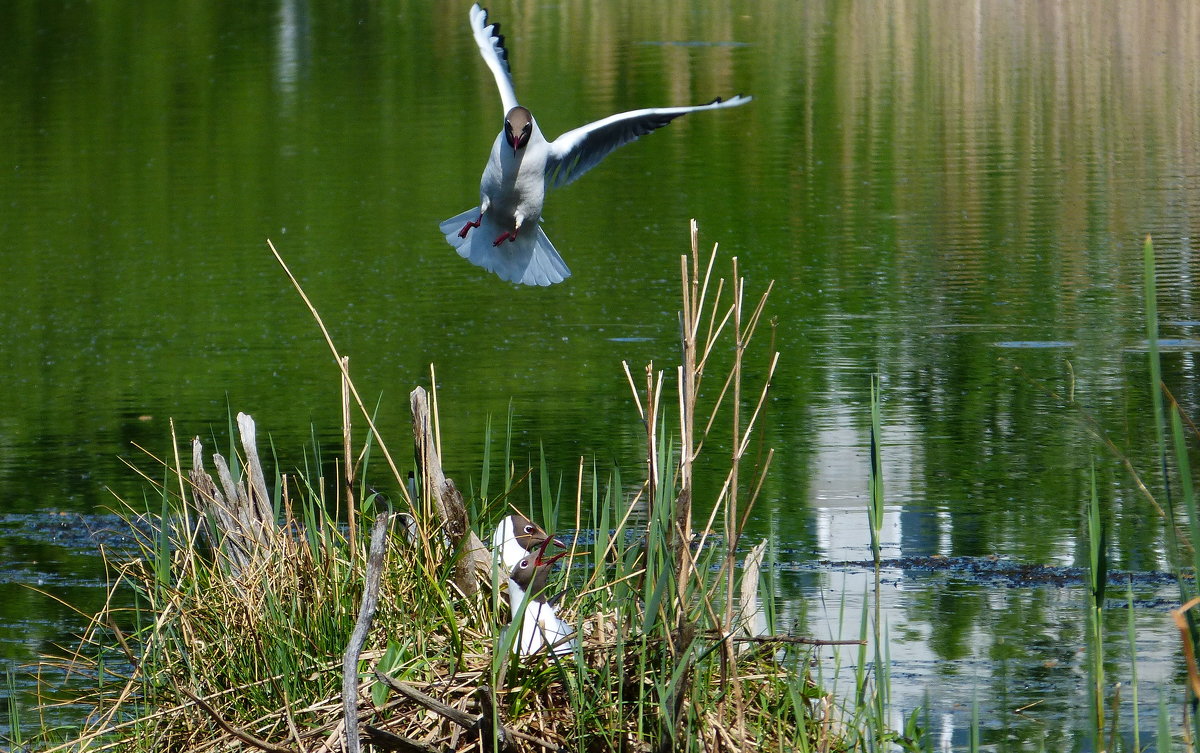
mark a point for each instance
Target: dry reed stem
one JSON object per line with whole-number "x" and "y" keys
{"x": 637, "y": 397}
{"x": 348, "y": 467}
{"x": 690, "y": 373}
{"x": 729, "y": 668}
{"x": 433, "y": 403}
{"x": 175, "y": 450}
{"x": 350, "y": 383}
{"x": 1189, "y": 650}
{"x": 578, "y": 520}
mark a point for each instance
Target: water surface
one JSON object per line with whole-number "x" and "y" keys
{"x": 952, "y": 195}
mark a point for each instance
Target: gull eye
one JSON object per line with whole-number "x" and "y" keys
{"x": 529, "y": 528}
{"x": 524, "y": 564}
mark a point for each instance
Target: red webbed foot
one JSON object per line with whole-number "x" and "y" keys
{"x": 507, "y": 235}
{"x": 467, "y": 227}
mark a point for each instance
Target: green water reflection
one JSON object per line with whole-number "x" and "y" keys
{"x": 950, "y": 194}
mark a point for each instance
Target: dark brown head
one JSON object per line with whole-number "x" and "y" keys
{"x": 518, "y": 127}
{"x": 527, "y": 533}
{"x": 532, "y": 572}
{"x": 530, "y": 535}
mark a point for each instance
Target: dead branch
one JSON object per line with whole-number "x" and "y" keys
{"x": 240, "y": 734}
{"x": 366, "y": 613}
{"x": 486, "y": 725}
{"x": 385, "y": 740}
{"x": 448, "y": 501}
{"x": 239, "y": 521}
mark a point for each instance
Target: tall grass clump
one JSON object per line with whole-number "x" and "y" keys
{"x": 1182, "y": 517}
{"x": 1180, "y": 511}
{"x": 1097, "y": 583}
{"x": 231, "y": 627}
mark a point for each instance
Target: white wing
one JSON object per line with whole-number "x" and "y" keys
{"x": 575, "y": 152}
{"x": 554, "y": 631}
{"x": 491, "y": 46}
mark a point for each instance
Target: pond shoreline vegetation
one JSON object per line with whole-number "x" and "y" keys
{"x": 246, "y": 594}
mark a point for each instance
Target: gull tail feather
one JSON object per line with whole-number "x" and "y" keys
{"x": 529, "y": 260}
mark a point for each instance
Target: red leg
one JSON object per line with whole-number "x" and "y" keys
{"x": 507, "y": 235}
{"x": 467, "y": 227}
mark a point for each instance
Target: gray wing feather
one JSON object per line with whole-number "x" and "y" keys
{"x": 575, "y": 152}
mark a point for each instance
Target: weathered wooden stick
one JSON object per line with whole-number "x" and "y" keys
{"x": 257, "y": 483}
{"x": 237, "y": 732}
{"x": 250, "y": 531}
{"x": 795, "y": 639}
{"x": 459, "y": 717}
{"x": 486, "y": 725}
{"x": 232, "y": 524}
{"x": 490, "y": 726}
{"x": 366, "y": 613}
{"x": 213, "y": 508}
{"x": 448, "y": 501}
{"x": 385, "y": 740}
{"x": 233, "y": 491}
{"x": 751, "y": 617}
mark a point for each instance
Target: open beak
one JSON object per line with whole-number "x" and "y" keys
{"x": 520, "y": 140}
{"x": 541, "y": 558}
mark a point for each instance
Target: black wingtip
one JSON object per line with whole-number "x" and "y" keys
{"x": 500, "y": 42}
{"x": 719, "y": 100}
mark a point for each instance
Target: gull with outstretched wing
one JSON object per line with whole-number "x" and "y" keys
{"x": 503, "y": 234}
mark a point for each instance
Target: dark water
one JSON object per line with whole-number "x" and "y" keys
{"x": 952, "y": 195}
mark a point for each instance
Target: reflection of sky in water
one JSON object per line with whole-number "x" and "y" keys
{"x": 955, "y": 637}
{"x": 290, "y": 54}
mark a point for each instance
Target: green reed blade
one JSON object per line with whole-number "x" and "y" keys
{"x": 549, "y": 516}
{"x": 975, "y": 736}
{"x": 1186, "y": 490}
{"x": 875, "y": 479}
{"x": 1150, "y": 296}
{"x": 1097, "y": 547}
{"x": 1164, "y": 743}
{"x": 485, "y": 473}
{"x": 14, "y": 713}
{"x": 508, "y": 434}
{"x": 1133, "y": 680}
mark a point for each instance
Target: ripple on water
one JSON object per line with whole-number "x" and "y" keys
{"x": 1033, "y": 344}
